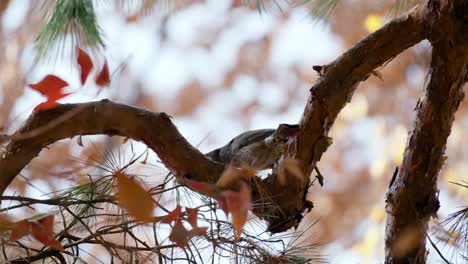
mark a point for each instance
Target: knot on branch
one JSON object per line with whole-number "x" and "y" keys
{"x": 447, "y": 19}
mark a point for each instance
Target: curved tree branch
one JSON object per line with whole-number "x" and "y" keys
{"x": 413, "y": 195}
{"x": 154, "y": 129}
{"x": 328, "y": 97}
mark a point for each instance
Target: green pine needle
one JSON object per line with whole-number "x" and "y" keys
{"x": 99, "y": 189}
{"x": 74, "y": 16}
{"x": 259, "y": 4}
{"x": 322, "y": 9}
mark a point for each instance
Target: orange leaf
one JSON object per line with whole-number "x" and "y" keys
{"x": 20, "y": 229}
{"x": 86, "y": 65}
{"x": 51, "y": 87}
{"x": 233, "y": 175}
{"x": 131, "y": 196}
{"x": 238, "y": 204}
{"x": 103, "y": 78}
{"x": 47, "y": 223}
{"x": 172, "y": 216}
{"x": 6, "y": 224}
{"x": 180, "y": 235}
{"x": 156, "y": 219}
{"x": 198, "y": 231}
{"x": 133, "y": 18}
{"x": 192, "y": 216}
{"x": 42, "y": 230}
{"x": 201, "y": 187}
{"x": 222, "y": 203}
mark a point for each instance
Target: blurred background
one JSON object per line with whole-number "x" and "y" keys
{"x": 222, "y": 67}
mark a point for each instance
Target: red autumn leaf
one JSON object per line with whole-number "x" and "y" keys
{"x": 134, "y": 198}
{"x": 52, "y": 88}
{"x": 179, "y": 235}
{"x": 175, "y": 215}
{"x": 201, "y": 187}
{"x": 232, "y": 175}
{"x": 133, "y": 18}
{"x": 46, "y": 222}
{"x": 42, "y": 230}
{"x": 156, "y": 219}
{"x": 238, "y": 204}
{"x": 198, "y": 231}
{"x": 192, "y": 216}
{"x": 222, "y": 203}
{"x": 6, "y": 224}
{"x": 20, "y": 229}
{"x": 45, "y": 237}
{"x": 86, "y": 65}
{"x": 103, "y": 78}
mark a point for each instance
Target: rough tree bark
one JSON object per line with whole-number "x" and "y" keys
{"x": 65, "y": 121}
{"x": 329, "y": 95}
{"x": 412, "y": 198}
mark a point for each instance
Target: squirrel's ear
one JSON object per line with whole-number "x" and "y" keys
{"x": 286, "y": 130}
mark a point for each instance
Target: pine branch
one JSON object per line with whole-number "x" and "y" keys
{"x": 453, "y": 231}
{"x": 69, "y": 16}
{"x": 322, "y": 9}
{"x": 412, "y": 198}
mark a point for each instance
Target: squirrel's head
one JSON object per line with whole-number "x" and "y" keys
{"x": 285, "y": 131}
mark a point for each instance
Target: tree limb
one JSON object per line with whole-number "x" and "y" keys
{"x": 328, "y": 97}
{"x": 154, "y": 129}
{"x": 413, "y": 197}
